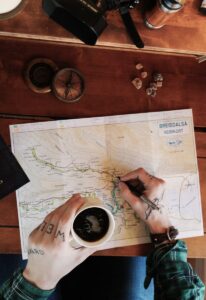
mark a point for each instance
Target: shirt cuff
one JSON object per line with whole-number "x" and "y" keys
{"x": 27, "y": 290}
{"x": 162, "y": 252}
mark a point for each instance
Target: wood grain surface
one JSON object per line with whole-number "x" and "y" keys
{"x": 184, "y": 32}
{"x": 108, "y": 75}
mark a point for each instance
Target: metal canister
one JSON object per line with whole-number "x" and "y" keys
{"x": 163, "y": 10}
{"x": 202, "y": 8}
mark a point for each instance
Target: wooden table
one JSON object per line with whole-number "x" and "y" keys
{"x": 184, "y": 33}
{"x": 108, "y": 69}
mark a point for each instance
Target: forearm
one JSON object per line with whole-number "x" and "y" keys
{"x": 174, "y": 278}
{"x": 18, "y": 287}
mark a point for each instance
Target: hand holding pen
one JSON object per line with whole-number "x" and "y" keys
{"x": 143, "y": 191}
{"x": 137, "y": 188}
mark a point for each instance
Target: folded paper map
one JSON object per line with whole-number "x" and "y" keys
{"x": 86, "y": 156}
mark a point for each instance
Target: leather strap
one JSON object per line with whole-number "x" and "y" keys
{"x": 131, "y": 29}
{"x": 169, "y": 235}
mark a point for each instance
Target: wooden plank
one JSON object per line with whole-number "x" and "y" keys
{"x": 196, "y": 247}
{"x": 199, "y": 266}
{"x": 183, "y": 33}
{"x": 108, "y": 75}
{"x": 10, "y": 240}
{"x": 8, "y": 212}
{"x": 200, "y": 138}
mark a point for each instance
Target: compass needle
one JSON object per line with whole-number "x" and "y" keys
{"x": 68, "y": 85}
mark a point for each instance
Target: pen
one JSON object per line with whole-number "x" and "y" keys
{"x": 149, "y": 202}
{"x": 137, "y": 187}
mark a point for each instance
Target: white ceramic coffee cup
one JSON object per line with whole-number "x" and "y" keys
{"x": 9, "y": 8}
{"x": 76, "y": 241}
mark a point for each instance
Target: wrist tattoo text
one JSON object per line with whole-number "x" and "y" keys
{"x": 35, "y": 251}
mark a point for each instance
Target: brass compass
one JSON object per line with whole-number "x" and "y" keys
{"x": 68, "y": 85}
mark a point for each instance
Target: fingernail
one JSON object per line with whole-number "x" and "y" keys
{"x": 77, "y": 195}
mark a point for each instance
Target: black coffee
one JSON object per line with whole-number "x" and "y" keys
{"x": 91, "y": 224}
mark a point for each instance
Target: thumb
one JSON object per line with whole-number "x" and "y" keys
{"x": 127, "y": 195}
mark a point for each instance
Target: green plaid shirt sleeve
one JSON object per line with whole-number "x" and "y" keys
{"x": 174, "y": 278}
{"x": 18, "y": 288}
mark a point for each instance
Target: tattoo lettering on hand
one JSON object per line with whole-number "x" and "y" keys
{"x": 35, "y": 251}
{"x": 43, "y": 225}
{"x": 61, "y": 235}
{"x": 50, "y": 228}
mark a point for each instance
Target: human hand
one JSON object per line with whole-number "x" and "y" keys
{"x": 157, "y": 221}
{"x": 50, "y": 255}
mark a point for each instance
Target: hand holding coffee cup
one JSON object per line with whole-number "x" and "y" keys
{"x": 50, "y": 255}
{"x": 93, "y": 225}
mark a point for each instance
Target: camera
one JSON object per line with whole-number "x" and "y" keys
{"x": 86, "y": 18}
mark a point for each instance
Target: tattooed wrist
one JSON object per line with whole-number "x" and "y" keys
{"x": 149, "y": 209}
{"x": 158, "y": 223}
{"x": 35, "y": 251}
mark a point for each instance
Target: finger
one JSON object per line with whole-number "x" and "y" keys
{"x": 147, "y": 179}
{"x": 54, "y": 225}
{"x": 62, "y": 207}
{"x": 139, "y": 173}
{"x": 127, "y": 195}
{"x": 73, "y": 198}
{"x": 65, "y": 205}
{"x": 64, "y": 216}
{"x": 71, "y": 208}
{"x": 56, "y": 213}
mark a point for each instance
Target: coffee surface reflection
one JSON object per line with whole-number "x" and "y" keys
{"x": 91, "y": 224}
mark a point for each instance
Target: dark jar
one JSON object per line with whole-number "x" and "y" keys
{"x": 202, "y": 8}
{"x": 163, "y": 10}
